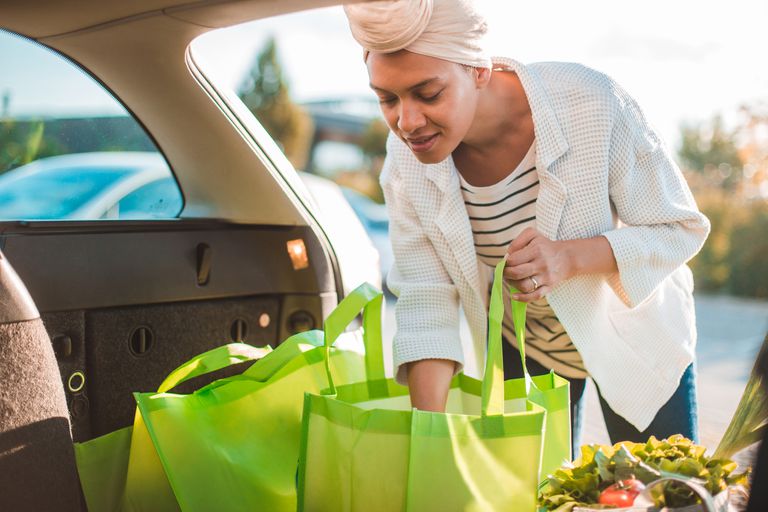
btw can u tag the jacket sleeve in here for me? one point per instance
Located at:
(427, 309)
(660, 226)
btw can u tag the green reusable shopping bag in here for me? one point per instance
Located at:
(233, 445)
(121, 470)
(364, 448)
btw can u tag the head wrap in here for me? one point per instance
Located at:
(451, 30)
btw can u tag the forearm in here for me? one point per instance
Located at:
(429, 381)
(590, 256)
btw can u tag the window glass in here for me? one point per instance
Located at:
(159, 198)
(68, 149)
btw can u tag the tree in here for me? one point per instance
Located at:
(728, 172)
(265, 93)
(710, 151)
(752, 136)
(373, 144)
(20, 143)
(374, 140)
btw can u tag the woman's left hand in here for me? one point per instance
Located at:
(536, 264)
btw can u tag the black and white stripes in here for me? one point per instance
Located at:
(498, 214)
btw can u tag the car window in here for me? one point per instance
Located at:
(158, 199)
(32, 196)
(68, 149)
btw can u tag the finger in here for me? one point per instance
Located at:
(520, 285)
(524, 255)
(537, 294)
(519, 272)
(522, 240)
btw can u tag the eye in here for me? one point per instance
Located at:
(430, 98)
(389, 100)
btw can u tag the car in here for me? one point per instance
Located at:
(82, 186)
(375, 220)
(240, 250)
(357, 247)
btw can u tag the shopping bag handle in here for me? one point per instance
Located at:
(492, 399)
(645, 499)
(368, 299)
(213, 360)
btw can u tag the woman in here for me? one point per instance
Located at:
(553, 167)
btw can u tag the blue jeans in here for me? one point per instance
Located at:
(677, 416)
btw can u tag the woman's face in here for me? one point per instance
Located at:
(428, 103)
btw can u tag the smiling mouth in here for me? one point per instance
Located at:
(419, 144)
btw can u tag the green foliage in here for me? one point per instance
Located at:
(749, 246)
(727, 169)
(265, 93)
(711, 266)
(711, 150)
(20, 144)
(599, 466)
(374, 141)
(23, 141)
(732, 260)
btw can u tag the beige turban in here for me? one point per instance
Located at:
(451, 30)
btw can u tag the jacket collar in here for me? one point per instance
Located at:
(551, 143)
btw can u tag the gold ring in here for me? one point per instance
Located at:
(535, 283)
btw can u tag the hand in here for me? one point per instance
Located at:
(536, 264)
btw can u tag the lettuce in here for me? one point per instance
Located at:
(580, 483)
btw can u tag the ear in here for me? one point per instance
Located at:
(482, 77)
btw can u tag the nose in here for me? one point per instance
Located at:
(411, 118)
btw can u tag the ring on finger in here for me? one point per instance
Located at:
(535, 283)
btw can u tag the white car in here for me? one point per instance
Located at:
(84, 186)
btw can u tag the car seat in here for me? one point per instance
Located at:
(37, 460)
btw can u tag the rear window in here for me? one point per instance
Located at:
(68, 149)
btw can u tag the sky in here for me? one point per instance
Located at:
(683, 60)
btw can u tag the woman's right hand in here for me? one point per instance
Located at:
(429, 381)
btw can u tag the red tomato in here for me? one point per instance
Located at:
(622, 493)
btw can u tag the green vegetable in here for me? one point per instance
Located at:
(751, 417)
(599, 466)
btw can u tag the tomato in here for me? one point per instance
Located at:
(622, 493)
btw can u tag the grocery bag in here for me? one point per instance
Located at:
(234, 444)
(121, 471)
(365, 449)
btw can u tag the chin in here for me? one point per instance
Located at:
(431, 157)
(428, 159)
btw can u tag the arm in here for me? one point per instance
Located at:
(662, 226)
(429, 381)
(660, 229)
(427, 339)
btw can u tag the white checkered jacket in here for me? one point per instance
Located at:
(603, 171)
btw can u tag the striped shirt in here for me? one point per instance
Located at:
(498, 213)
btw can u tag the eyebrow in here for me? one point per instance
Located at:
(415, 86)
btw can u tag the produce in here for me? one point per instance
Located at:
(601, 466)
(750, 420)
(622, 493)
